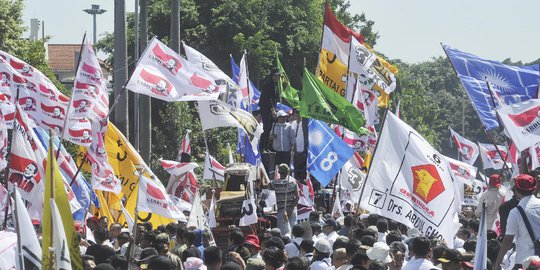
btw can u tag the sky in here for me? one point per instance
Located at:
(410, 30)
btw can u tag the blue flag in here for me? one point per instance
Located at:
(327, 153)
(512, 84)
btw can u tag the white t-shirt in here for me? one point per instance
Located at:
(419, 264)
(325, 264)
(293, 250)
(516, 226)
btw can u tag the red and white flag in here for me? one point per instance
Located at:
(26, 167)
(185, 188)
(462, 171)
(204, 65)
(213, 169)
(153, 198)
(534, 155)
(162, 73)
(522, 122)
(491, 157)
(185, 147)
(90, 97)
(103, 177)
(3, 142)
(366, 101)
(468, 150)
(244, 100)
(178, 168)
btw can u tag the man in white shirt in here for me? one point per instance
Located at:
(493, 198)
(421, 247)
(293, 248)
(524, 188)
(329, 231)
(282, 139)
(299, 128)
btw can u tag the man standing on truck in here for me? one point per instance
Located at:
(286, 199)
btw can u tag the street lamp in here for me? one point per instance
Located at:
(95, 10)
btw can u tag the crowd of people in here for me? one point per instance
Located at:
(357, 241)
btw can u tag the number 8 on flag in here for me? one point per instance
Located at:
(327, 153)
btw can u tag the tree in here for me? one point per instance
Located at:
(11, 24)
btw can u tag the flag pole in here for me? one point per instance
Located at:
(51, 167)
(17, 228)
(131, 250)
(71, 99)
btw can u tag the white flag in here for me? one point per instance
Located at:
(8, 250)
(201, 62)
(366, 101)
(162, 73)
(480, 253)
(248, 213)
(336, 208)
(61, 246)
(472, 192)
(462, 171)
(410, 182)
(3, 142)
(534, 154)
(153, 198)
(213, 169)
(28, 244)
(522, 122)
(218, 114)
(212, 212)
(246, 93)
(231, 158)
(468, 150)
(129, 220)
(491, 158)
(178, 168)
(352, 179)
(198, 219)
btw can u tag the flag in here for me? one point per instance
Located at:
(212, 212)
(327, 153)
(103, 177)
(472, 192)
(248, 213)
(185, 147)
(491, 158)
(305, 202)
(462, 171)
(321, 103)
(26, 169)
(336, 208)
(185, 188)
(61, 250)
(468, 151)
(3, 142)
(198, 220)
(5, 201)
(367, 65)
(124, 161)
(480, 253)
(522, 122)
(287, 92)
(8, 249)
(512, 83)
(55, 190)
(218, 114)
(410, 182)
(352, 179)
(398, 112)
(205, 65)
(39, 98)
(28, 246)
(213, 169)
(365, 100)
(129, 220)
(534, 154)
(178, 168)
(245, 98)
(90, 97)
(153, 198)
(162, 73)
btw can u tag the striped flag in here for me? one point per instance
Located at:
(213, 169)
(185, 147)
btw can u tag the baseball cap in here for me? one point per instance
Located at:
(252, 240)
(525, 182)
(495, 180)
(330, 222)
(282, 113)
(323, 246)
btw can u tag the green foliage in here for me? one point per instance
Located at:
(11, 24)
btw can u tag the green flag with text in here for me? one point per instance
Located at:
(285, 89)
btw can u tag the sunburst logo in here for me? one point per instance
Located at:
(496, 79)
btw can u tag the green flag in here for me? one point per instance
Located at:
(322, 103)
(288, 93)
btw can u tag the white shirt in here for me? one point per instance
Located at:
(381, 237)
(291, 249)
(325, 264)
(419, 264)
(493, 199)
(298, 130)
(458, 242)
(516, 226)
(331, 238)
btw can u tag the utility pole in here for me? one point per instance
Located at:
(145, 105)
(95, 10)
(175, 25)
(120, 67)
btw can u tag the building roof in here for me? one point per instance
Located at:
(62, 56)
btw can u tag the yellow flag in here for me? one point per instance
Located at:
(55, 189)
(124, 160)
